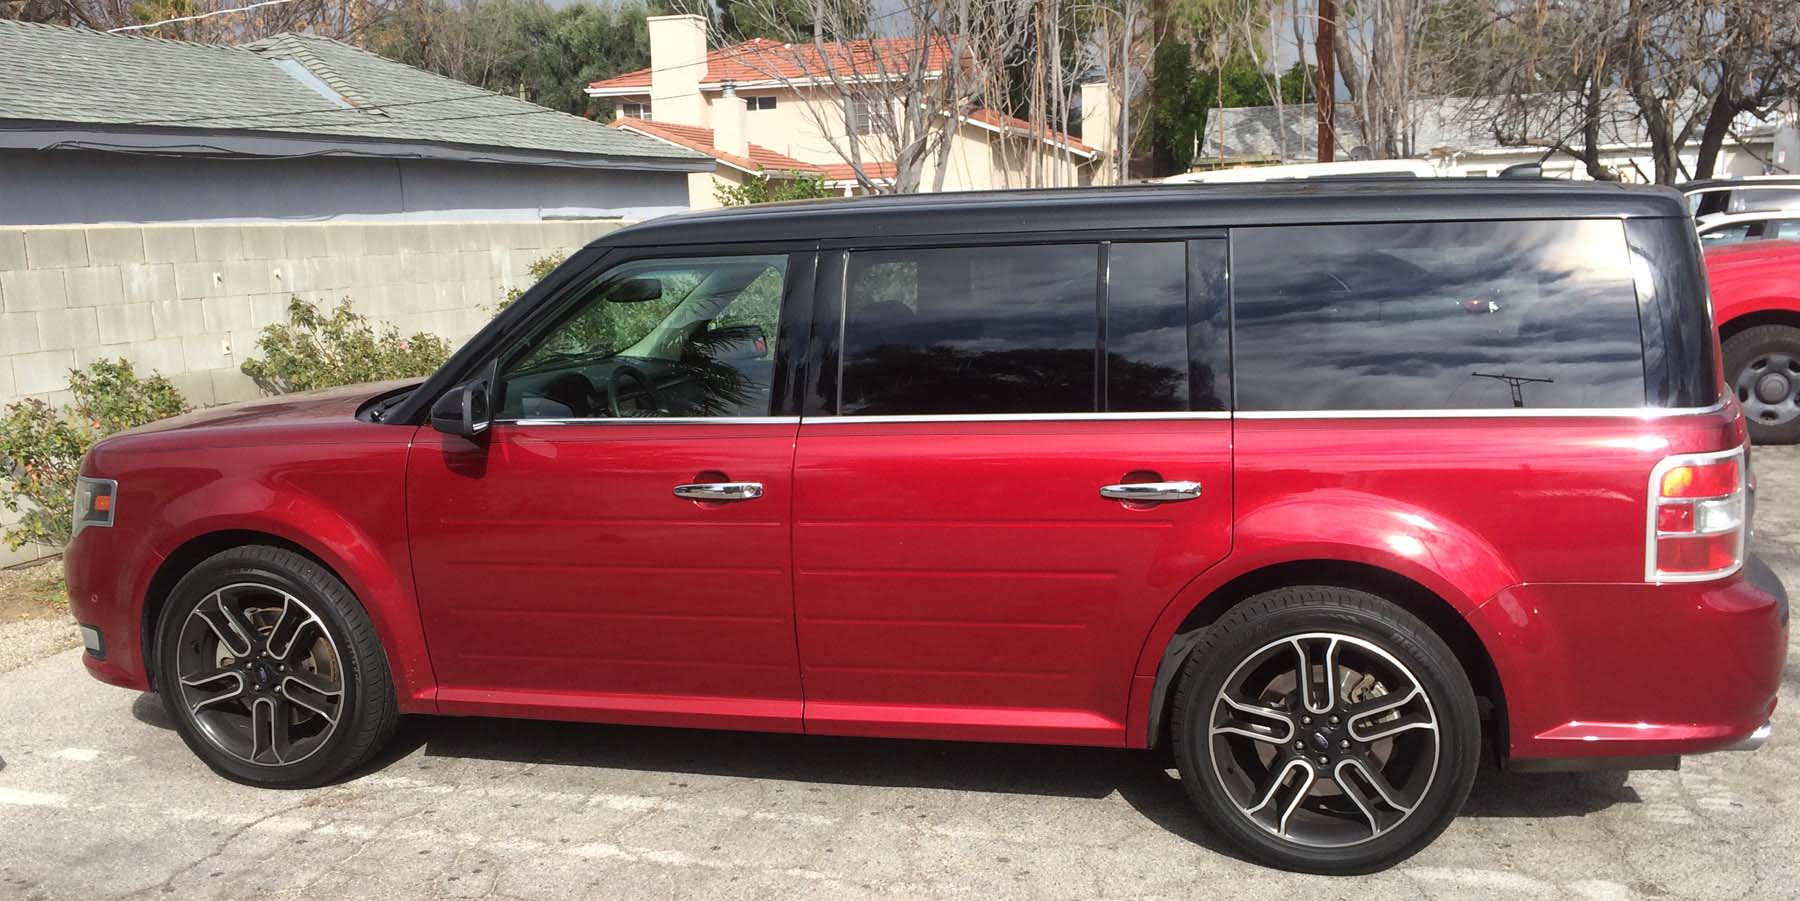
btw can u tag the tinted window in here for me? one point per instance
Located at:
(1146, 327)
(1755, 200)
(971, 330)
(656, 338)
(1783, 230)
(1436, 316)
(1728, 234)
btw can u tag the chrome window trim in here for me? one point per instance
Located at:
(1654, 500)
(1016, 417)
(662, 420)
(1488, 413)
(1207, 415)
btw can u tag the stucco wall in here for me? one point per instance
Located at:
(189, 301)
(62, 187)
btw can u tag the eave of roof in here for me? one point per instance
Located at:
(761, 160)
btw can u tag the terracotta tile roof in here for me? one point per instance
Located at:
(844, 171)
(760, 159)
(763, 60)
(1018, 126)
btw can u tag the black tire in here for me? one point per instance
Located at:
(1265, 625)
(365, 709)
(1748, 358)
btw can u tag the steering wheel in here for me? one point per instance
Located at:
(643, 394)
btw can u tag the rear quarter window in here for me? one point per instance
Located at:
(1436, 316)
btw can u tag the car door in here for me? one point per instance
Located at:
(1011, 464)
(616, 546)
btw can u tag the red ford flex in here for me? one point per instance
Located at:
(1322, 487)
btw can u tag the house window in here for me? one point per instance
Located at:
(635, 110)
(859, 116)
(755, 103)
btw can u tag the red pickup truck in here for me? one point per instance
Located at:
(1756, 305)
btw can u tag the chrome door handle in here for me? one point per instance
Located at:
(1152, 491)
(720, 491)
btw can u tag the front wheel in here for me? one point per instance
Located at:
(1762, 364)
(1325, 730)
(271, 670)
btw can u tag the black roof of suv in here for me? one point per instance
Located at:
(1156, 206)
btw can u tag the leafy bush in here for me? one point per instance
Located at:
(41, 447)
(761, 190)
(317, 350)
(539, 268)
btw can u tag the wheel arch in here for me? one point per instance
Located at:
(401, 635)
(1771, 315)
(1438, 613)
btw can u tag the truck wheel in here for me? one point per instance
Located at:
(271, 670)
(1325, 730)
(1762, 364)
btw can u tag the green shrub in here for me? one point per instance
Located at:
(41, 447)
(317, 350)
(539, 268)
(761, 190)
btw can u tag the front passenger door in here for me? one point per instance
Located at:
(616, 546)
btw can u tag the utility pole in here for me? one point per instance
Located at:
(1325, 48)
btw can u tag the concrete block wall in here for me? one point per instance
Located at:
(189, 301)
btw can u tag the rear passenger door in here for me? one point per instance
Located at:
(960, 570)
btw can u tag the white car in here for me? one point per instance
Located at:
(1342, 169)
(1736, 228)
(1712, 198)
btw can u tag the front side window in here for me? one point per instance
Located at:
(1435, 316)
(971, 330)
(691, 337)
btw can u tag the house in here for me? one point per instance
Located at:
(98, 127)
(1456, 135)
(763, 108)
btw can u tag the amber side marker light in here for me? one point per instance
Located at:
(1697, 520)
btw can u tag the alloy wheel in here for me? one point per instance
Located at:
(259, 673)
(1324, 739)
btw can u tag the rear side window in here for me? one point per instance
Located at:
(971, 330)
(1435, 316)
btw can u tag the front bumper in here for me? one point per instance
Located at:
(1637, 671)
(109, 577)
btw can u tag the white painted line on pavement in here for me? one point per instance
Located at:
(22, 798)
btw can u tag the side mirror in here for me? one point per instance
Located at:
(635, 290)
(467, 409)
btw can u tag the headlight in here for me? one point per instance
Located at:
(93, 503)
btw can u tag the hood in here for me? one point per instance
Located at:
(282, 413)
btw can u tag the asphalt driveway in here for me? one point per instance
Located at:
(99, 799)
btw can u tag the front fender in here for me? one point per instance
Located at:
(343, 502)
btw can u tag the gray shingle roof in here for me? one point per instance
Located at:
(58, 74)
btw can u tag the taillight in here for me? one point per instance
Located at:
(1698, 517)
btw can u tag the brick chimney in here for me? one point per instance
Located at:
(728, 122)
(678, 63)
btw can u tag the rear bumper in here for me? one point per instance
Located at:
(1638, 671)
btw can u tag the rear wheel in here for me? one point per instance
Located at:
(1762, 364)
(271, 670)
(1325, 730)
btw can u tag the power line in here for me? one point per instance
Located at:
(216, 12)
